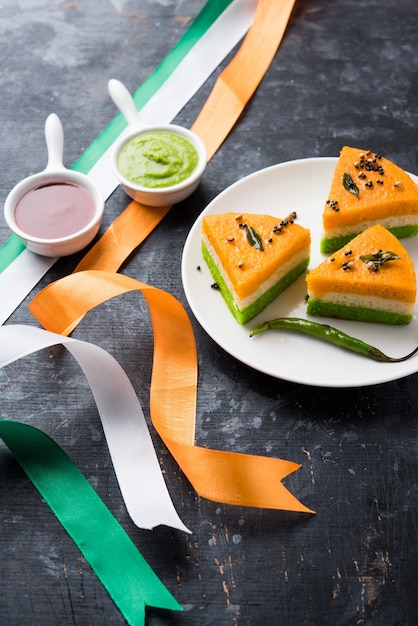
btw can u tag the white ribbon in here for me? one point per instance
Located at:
(131, 449)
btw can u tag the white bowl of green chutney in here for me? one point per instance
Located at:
(156, 165)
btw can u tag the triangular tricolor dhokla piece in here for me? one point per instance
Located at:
(368, 189)
(253, 258)
(371, 279)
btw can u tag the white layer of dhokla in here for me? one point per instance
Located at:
(263, 287)
(368, 302)
(394, 221)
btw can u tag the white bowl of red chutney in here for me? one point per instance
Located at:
(56, 212)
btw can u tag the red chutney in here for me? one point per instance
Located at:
(55, 210)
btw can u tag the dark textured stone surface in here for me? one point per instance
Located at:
(346, 72)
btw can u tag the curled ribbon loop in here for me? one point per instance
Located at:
(235, 478)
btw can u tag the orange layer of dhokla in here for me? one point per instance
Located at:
(244, 264)
(384, 189)
(395, 280)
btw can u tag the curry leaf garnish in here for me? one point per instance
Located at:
(376, 259)
(349, 184)
(254, 238)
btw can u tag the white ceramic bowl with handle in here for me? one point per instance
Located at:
(152, 195)
(55, 174)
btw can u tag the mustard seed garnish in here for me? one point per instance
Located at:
(290, 219)
(347, 265)
(198, 268)
(279, 229)
(333, 204)
(214, 286)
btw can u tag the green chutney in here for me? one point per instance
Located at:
(157, 158)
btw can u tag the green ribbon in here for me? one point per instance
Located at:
(10, 251)
(126, 575)
(207, 16)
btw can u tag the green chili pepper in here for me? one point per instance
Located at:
(330, 334)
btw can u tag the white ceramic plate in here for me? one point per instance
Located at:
(300, 186)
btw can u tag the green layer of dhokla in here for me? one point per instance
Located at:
(331, 244)
(320, 308)
(245, 315)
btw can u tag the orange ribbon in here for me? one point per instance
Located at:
(239, 80)
(229, 477)
(217, 475)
